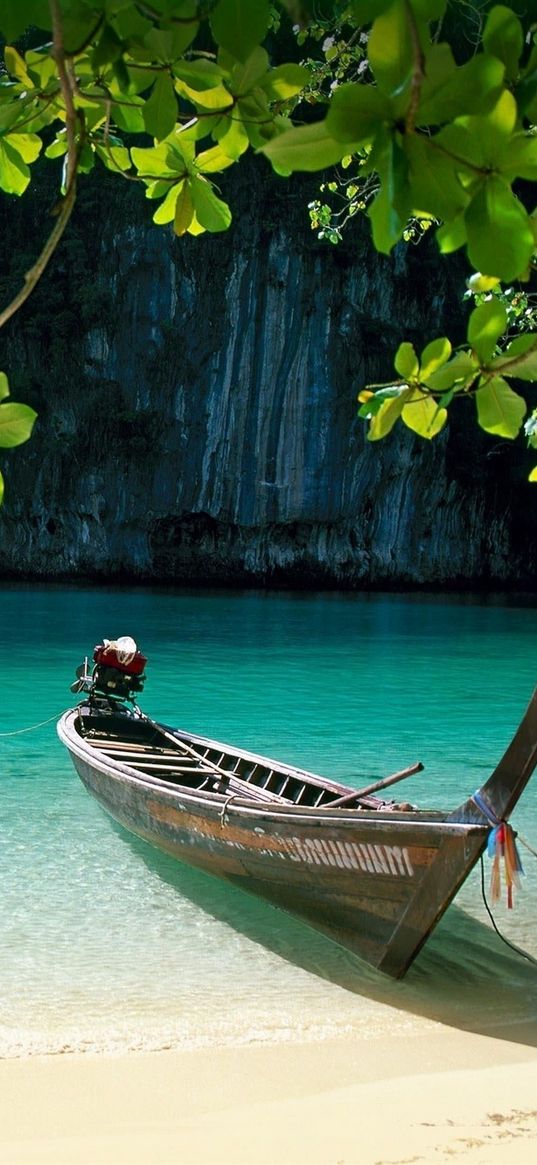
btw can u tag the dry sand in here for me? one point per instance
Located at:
(441, 1095)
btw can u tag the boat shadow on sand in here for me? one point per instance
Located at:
(465, 977)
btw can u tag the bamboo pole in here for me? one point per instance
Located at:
(358, 794)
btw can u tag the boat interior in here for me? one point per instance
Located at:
(168, 758)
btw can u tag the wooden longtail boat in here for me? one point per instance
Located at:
(373, 875)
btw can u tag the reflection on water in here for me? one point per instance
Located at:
(465, 976)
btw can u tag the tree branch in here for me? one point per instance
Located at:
(33, 276)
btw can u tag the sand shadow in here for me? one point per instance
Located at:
(465, 977)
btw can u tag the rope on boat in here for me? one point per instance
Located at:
(501, 844)
(32, 728)
(525, 843)
(223, 811)
(517, 950)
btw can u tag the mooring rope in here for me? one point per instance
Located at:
(517, 950)
(32, 728)
(527, 845)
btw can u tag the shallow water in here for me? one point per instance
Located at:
(108, 945)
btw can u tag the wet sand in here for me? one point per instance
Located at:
(436, 1095)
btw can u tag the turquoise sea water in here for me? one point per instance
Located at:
(107, 945)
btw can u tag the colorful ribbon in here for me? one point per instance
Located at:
(502, 844)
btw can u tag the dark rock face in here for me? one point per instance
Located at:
(197, 405)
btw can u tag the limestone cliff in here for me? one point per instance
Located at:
(197, 405)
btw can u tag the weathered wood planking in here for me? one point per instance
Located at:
(373, 877)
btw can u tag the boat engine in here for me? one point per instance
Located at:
(118, 670)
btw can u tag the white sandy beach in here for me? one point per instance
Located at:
(441, 1095)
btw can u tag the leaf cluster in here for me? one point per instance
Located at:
(480, 371)
(170, 93)
(16, 422)
(191, 77)
(434, 143)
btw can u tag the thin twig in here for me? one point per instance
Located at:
(33, 276)
(58, 53)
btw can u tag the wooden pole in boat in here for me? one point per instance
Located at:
(375, 788)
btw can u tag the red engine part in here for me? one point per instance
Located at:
(107, 656)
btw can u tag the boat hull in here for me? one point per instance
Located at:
(374, 882)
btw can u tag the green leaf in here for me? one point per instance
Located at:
(434, 183)
(129, 117)
(213, 160)
(499, 409)
(423, 415)
(121, 75)
(285, 81)
(158, 161)
(231, 134)
(533, 474)
(406, 362)
(382, 423)
(356, 112)
(391, 209)
(108, 49)
(519, 359)
(16, 424)
(455, 375)
(15, 111)
(16, 65)
(167, 45)
(500, 239)
(160, 111)
(494, 131)
(14, 173)
(184, 210)
(520, 157)
(364, 11)
(1, 489)
(503, 36)
(79, 24)
(452, 235)
(211, 211)
(130, 24)
(4, 385)
(260, 123)
(372, 401)
(42, 68)
(526, 89)
(115, 158)
(58, 147)
(478, 143)
(485, 326)
(213, 97)
(390, 49)
(429, 9)
(308, 147)
(16, 17)
(253, 72)
(199, 75)
(166, 211)
(28, 145)
(449, 93)
(182, 146)
(86, 161)
(240, 25)
(434, 356)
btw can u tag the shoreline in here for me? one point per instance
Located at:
(439, 1094)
